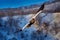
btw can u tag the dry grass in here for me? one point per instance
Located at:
(56, 17)
(53, 28)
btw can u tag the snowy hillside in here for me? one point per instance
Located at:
(9, 25)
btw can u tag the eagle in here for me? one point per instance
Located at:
(50, 9)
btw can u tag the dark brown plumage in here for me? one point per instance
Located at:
(42, 7)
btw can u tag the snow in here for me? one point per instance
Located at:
(26, 33)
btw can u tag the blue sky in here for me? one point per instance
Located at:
(18, 3)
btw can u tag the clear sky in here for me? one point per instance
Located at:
(18, 3)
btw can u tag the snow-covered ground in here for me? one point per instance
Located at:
(9, 25)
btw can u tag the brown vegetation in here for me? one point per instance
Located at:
(49, 7)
